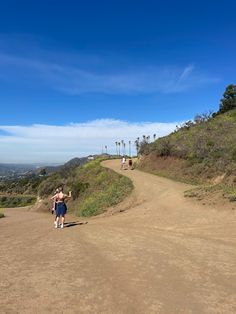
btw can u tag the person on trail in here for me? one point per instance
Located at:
(123, 161)
(61, 208)
(130, 163)
(54, 207)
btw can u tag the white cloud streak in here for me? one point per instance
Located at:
(78, 80)
(55, 144)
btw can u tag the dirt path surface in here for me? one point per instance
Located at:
(166, 254)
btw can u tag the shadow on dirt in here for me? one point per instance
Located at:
(74, 223)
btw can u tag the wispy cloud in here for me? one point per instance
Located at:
(51, 143)
(83, 79)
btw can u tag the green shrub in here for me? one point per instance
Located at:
(21, 186)
(232, 198)
(79, 187)
(234, 154)
(230, 193)
(106, 188)
(8, 201)
(48, 186)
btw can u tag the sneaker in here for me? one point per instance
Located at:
(62, 226)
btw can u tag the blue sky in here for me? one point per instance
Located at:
(133, 66)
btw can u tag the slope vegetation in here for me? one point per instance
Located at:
(200, 152)
(93, 187)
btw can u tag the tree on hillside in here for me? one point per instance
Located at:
(119, 147)
(203, 117)
(144, 144)
(129, 148)
(228, 102)
(122, 147)
(43, 172)
(137, 145)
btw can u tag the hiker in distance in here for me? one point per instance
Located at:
(122, 163)
(130, 164)
(61, 209)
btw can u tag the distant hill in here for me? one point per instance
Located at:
(47, 170)
(75, 162)
(25, 179)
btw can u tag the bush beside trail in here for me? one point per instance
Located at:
(22, 186)
(9, 201)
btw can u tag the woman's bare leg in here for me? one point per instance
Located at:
(62, 221)
(57, 222)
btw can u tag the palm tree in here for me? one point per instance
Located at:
(129, 148)
(137, 145)
(122, 146)
(154, 137)
(119, 147)
(124, 149)
(148, 138)
(106, 148)
(116, 148)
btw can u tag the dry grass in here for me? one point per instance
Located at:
(197, 153)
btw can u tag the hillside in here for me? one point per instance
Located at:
(94, 188)
(47, 170)
(28, 182)
(199, 152)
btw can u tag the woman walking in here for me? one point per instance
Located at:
(61, 208)
(122, 163)
(54, 207)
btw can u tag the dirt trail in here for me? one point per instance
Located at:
(166, 254)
